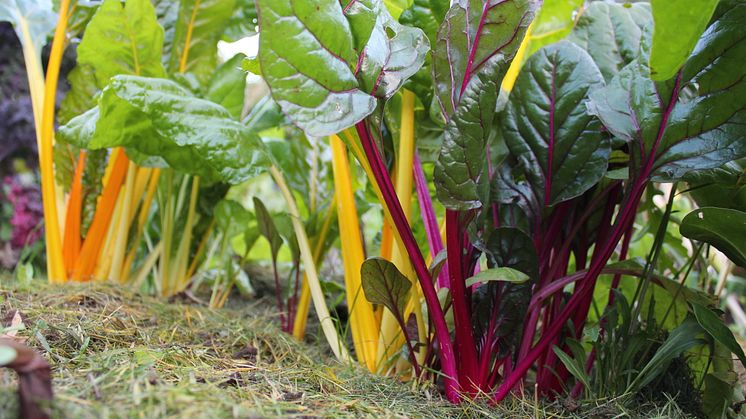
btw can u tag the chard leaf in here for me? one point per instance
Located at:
(122, 38)
(33, 21)
(498, 274)
(678, 26)
(392, 54)
(694, 122)
(547, 127)
(554, 21)
(307, 57)
(723, 228)
(227, 85)
(473, 32)
(426, 15)
(243, 23)
(612, 34)
(460, 176)
(82, 94)
(512, 248)
(158, 118)
(384, 284)
(267, 227)
(197, 28)
(232, 218)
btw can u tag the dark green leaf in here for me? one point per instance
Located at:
(694, 122)
(612, 33)
(678, 26)
(426, 15)
(307, 58)
(122, 38)
(723, 228)
(157, 118)
(460, 176)
(547, 126)
(267, 227)
(715, 327)
(384, 284)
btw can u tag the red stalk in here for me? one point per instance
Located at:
(428, 218)
(382, 178)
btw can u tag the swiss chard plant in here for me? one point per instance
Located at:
(541, 174)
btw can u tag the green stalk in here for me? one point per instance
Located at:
(319, 303)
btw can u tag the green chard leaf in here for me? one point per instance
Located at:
(307, 57)
(460, 176)
(227, 86)
(723, 228)
(678, 26)
(475, 44)
(612, 34)
(197, 27)
(267, 227)
(553, 22)
(157, 118)
(122, 38)
(426, 15)
(384, 284)
(34, 16)
(715, 327)
(547, 127)
(696, 121)
(503, 274)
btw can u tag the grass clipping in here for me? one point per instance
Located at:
(118, 354)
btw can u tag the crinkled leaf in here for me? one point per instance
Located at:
(267, 227)
(715, 327)
(694, 122)
(122, 38)
(227, 86)
(82, 94)
(198, 27)
(384, 284)
(243, 23)
(723, 187)
(312, 77)
(678, 26)
(158, 118)
(460, 176)
(34, 16)
(503, 274)
(547, 126)
(473, 32)
(612, 34)
(723, 228)
(393, 54)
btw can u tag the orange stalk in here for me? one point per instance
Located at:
(72, 240)
(86, 264)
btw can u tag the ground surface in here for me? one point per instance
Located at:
(118, 354)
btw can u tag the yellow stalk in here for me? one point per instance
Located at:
(141, 219)
(200, 250)
(362, 318)
(55, 262)
(390, 337)
(123, 219)
(103, 263)
(515, 66)
(304, 301)
(179, 278)
(319, 303)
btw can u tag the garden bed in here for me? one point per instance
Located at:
(119, 354)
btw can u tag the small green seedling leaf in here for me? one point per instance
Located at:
(384, 284)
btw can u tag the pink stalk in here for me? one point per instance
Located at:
(428, 218)
(382, 178)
